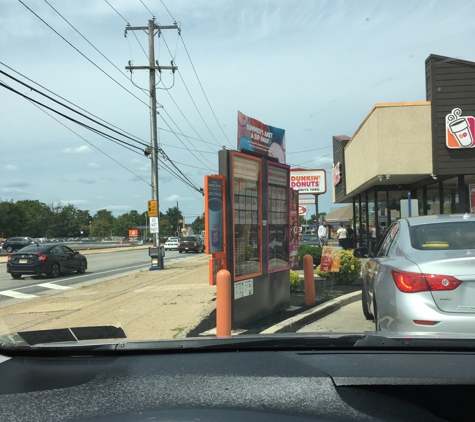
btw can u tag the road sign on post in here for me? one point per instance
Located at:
(152, 208)
(153, 224)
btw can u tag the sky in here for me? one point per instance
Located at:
(313, 68)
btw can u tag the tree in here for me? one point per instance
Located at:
(198, 225)
(101, 228)
(11, 219)
(66, 221)
(174, 215)
(104, 215)
(36, 217)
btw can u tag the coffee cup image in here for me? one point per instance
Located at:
(215, 206)
(461, 132)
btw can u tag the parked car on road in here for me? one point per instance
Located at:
(190, 243)
(47, 259)
(309, 239)
(421, 276)
(16, 243)
(171, 244)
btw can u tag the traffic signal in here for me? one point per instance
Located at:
(152, 208)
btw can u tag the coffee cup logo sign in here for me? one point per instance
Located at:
(460, 130)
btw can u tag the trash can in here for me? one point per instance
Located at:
(157, 253)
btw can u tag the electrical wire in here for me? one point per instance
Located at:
(68, 117)
(202, 89)
(71, 109)
(84, 139)
(64, 99)
(307, 150)
(82, 54)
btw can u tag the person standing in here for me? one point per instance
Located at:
(342, 236)
(351, 237)
(323, 233)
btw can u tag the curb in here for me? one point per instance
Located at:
(295, 323)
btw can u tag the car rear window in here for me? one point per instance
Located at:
(192, 238)
(34, 248)
(443, 236)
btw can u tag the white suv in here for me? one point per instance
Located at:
(171, 244)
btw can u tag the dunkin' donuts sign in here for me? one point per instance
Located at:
(459, 130)
(308, 181)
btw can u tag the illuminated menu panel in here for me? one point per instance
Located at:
(278, 218)
(247, 216)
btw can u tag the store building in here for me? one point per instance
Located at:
(413, 158)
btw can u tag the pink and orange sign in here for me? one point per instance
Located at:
(460, 130)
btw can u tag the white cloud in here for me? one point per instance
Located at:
(80, 150)
(173, 198)
(93, 165)
(74, 201)
(117, 207)
(11, 167)
(87, 181)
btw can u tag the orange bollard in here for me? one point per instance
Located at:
(309, 280)
(223, 303)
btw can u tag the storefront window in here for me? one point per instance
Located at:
(362, 226)
(382, 213)
(371, 222)
(420, 200)
(451, 196)
(394, 207)
(469, 191)
(433, 199)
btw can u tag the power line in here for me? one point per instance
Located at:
(84, 139)
(68, 117)
(82, 54)
(71, 109)
(308, 150)
(64, 99)
(202, 89)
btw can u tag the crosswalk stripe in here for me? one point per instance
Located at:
(54, 286)
(17, 295)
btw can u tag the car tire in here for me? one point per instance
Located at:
(55, 270)
(364, 303)
(82, 267)
(16, 276)
(9, 249)
(180, 251)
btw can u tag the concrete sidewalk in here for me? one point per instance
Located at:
(147, 305)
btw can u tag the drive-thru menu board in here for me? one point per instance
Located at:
(246, 195)
(278, 218)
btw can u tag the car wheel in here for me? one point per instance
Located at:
(55, 270)
(82, 267)
(16, 276)
(186, 251)
(364, 303)
(180, 251)
(9, 249)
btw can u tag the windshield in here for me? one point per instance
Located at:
(261, 141)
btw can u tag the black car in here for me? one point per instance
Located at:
(17, 243)
(190, 243)
(47, 259)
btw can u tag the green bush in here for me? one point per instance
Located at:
(350, 269)
(294, 280)
(315, 251)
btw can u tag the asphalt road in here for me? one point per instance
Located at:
(101, 267)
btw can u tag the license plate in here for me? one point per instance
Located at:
(186, 249)
(23, 261)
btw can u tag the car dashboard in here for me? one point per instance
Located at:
(233, 385)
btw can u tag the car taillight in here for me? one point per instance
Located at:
(9, 258)
(41, 257)
(418, 282)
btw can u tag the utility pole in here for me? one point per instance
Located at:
(152, 67)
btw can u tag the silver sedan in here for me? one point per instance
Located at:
(421, 277)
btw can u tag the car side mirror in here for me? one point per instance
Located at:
(76, 252)
(361, 252)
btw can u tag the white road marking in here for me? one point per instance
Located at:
(17, 295)
(54, 286)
